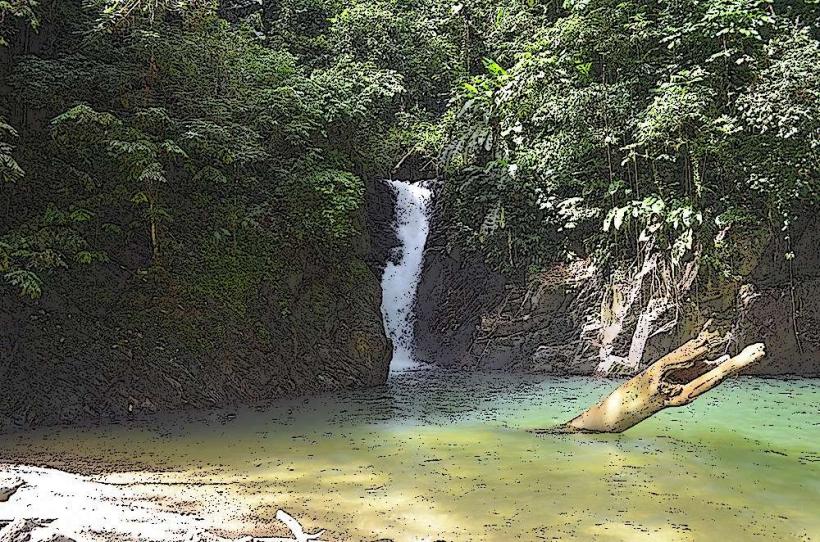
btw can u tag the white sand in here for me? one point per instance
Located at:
(124, 507)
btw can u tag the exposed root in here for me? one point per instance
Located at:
(664, 285)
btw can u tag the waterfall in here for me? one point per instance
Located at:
(402, 274)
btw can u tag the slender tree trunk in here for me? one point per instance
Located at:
(152, 228)
(154, 239)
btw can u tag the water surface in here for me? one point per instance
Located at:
(451, 457)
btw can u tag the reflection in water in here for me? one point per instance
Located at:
(437, 456)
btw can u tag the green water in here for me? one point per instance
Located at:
(450, 457)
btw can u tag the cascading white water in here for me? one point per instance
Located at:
(401, 279)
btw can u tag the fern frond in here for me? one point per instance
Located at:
(29, 283)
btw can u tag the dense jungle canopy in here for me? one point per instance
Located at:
(237, 136)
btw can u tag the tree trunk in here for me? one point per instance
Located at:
(154, 239)
(659, 386)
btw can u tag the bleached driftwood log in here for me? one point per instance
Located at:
(295, 527)
(656, 388)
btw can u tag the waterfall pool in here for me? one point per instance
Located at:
(439, 456)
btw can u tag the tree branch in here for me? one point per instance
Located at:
(702, 384)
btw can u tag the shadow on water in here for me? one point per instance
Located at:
(450, 456)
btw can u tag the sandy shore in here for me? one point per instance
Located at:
(50, 505)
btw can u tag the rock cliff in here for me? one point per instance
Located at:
(472, 317)
(242, 327)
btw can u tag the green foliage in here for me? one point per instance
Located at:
(47, 244)
(171, 125)
(114, 15)
(595, 126)
(325, 206)
(670, 227)
(710, 107)
(414, 42)
(10, 170)
(140, 148)
(27, 282)
(15, 10)
(781, 112)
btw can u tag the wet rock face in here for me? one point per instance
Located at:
(128, 343)
(792, 345)
(381, 217)
(66, 366)
(538, 327)
(456, 289)
(468, 316)
(779, 304)
(471, 317)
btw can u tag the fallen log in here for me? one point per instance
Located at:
(661, 386)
